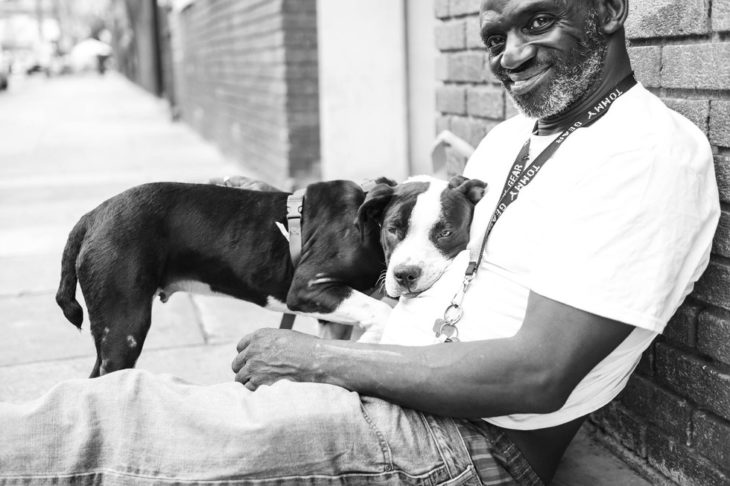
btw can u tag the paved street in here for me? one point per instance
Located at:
(66, 145)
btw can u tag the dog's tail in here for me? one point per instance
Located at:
(66, 295)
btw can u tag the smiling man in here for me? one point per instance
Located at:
(600, 213)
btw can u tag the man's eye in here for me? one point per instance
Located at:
(393, 230)
(494, 42)
(540, 22)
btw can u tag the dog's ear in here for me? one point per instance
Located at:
(385, 180)
(473, 189)
(372, 209)
(456, 181)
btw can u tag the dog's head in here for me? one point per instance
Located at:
(424, 224)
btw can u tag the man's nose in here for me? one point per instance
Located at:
(516, 51)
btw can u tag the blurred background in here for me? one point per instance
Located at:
(293, 90)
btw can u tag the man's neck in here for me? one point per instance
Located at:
(562, 121)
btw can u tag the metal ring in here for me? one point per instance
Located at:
(453, 313)
(454, 337)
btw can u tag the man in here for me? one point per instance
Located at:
(612, 226)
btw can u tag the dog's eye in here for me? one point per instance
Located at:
(445, 234)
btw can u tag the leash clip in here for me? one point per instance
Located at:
(445, 328)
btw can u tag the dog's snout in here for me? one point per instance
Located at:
(407, 275)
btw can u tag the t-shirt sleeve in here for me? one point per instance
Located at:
(629, 240)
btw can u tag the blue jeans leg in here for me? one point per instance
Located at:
(133, 427)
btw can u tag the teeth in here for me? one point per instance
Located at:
(524, 85)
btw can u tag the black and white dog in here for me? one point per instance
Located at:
(155, 239)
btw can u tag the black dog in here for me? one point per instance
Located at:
(159, 238)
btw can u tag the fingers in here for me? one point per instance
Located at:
(238, 362)
(242, 347)
(243, 376)
(244, 342)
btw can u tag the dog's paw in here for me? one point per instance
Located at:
(373, 335)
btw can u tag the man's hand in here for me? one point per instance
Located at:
(243, 182)
(269, 355)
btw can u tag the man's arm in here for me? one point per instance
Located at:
(533, 372)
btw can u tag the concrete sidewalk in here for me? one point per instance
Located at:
(68, 144)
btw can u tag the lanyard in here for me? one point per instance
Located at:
(519, 176)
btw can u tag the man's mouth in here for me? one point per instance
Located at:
(520, 84)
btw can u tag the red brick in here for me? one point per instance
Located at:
(694, 379)
(681, 463)
(722, 173)
(442, 123)
(721, 243)
(455, 162)
(635, 462)
(661, 18)
(711, 437)
(696, 111)
(647, 64)
(714, 285)
(682, 326)
(470, 129)
(451, 99)
(713, 335)
(468, 66)
(667, 411)
(249, 76)
(441, 8)
(485, 101)
(696, 66)
(626, 429)
(442, 67)
(473, 37)
(451, 35)
(464, 7)
(720, 122)
(721, 15)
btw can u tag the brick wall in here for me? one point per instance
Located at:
(135, 42)
(247, 79)
(673, 421)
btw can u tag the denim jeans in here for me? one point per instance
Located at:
(133, 427)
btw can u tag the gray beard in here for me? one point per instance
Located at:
(568, 86)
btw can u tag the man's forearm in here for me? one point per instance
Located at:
(471, 379)
(534, 371)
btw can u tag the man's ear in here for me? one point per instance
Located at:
(612, 15)
(473, 189)
(370, 212)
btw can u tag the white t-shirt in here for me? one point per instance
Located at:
(618, 223)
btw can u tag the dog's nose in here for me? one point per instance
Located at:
(406, 275)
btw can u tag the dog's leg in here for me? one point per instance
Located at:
(122, 336)
(119, 303)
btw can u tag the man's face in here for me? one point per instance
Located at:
(546, 53)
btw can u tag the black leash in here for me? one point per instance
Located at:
(519, 176)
